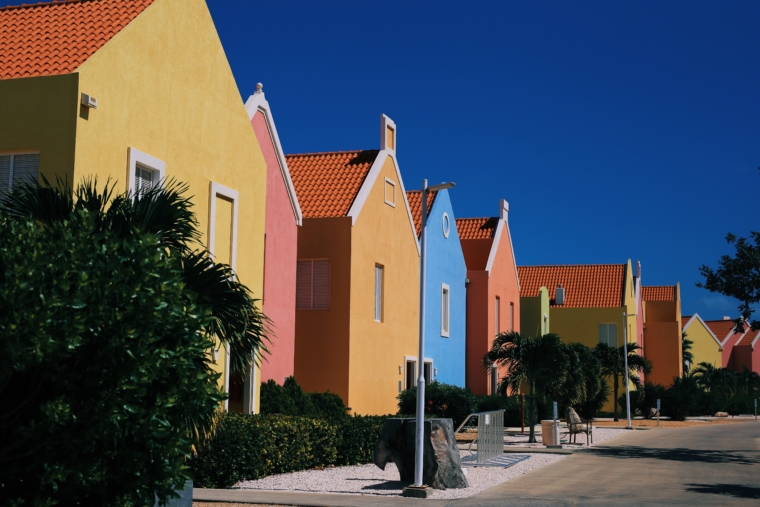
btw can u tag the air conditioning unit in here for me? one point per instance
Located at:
(89, 101)
(559, 296)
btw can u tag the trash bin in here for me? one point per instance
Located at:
(547, 432)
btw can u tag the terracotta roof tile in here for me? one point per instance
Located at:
(747, 338)
(57, 37)
(415, 206)
(477, 228)
(658, 293)
(721, 328)
(685, 319)
(586, 285)
(327, 183)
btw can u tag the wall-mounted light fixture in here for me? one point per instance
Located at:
(89, 101)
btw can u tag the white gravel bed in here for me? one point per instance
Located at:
(370, 480)
(601, 435)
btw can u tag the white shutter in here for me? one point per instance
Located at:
(378, 293)
(26, 168)
(445, 311)
(303, 285)
(496, 315)
(143, 180)
(321, 285)
(612, 335)
(5, 174)
(603, 333)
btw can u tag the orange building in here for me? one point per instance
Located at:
(493, 292)
(357, 280)
(662, 332)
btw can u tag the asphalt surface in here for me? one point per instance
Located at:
(714, 465)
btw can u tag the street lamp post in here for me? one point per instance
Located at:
(625, 356)
(420, 436)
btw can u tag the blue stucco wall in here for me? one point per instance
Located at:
(445, 264)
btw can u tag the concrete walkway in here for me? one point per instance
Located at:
(713, 465)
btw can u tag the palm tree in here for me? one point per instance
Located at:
(720, 383)
(584, 379)
(165, 212)
(540, 363)
(688, 357)
(748, 381)
(613, 365)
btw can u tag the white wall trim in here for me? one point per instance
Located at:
(136, 157)
(416, 370)
(258, 103)
(444, 220)
(218, 190)
(385, 197)
(386, 122)
(446, 333)
(697, 317)
(495, 246)
(757, 337)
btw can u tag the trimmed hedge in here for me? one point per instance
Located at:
(291, 399)
(248, 447)
(441, 400)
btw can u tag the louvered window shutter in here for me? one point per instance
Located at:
(612, 335)
(26, 168)
(321, 285)
(445, 311)
(143, 180)
(303, 285)
(378, 293)
(5, 174)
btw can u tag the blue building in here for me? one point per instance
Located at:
(445, 289)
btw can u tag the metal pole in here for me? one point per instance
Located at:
(419, 440)
(627, 388)
(522, 413)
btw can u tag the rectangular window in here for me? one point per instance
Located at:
(18, 168)
(511, 316)
(390, 192)
(313, 285)
(445, 310)
(494, 379)
(378, 293)
(145, 171)
(608, 334)
(496, 316)
(428, 371)
(411, 373)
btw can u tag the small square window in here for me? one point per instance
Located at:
(445, 309)
(390, 192)
(608, 334)
(145, 171)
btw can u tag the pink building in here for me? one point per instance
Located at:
(283, 217)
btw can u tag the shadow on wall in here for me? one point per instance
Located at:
(678, 454)
(735, 490)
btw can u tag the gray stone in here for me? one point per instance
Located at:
(441, 467)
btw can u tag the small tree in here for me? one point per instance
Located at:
(720, 384)
(688, 357)
(613, 366)
(539, 363)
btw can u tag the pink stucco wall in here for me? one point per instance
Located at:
(280, 254)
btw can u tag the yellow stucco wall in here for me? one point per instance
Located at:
(383, 235)
(38, 114)
(164, 87)
(532, 311)
(705, 349)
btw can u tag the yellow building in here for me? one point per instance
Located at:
(357, 294)
(581, 303)
(706, 347)
(136, 91)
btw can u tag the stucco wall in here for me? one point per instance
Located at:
(479, 328)
(445, 264)
(704, 349)
(663, 343)
(40, 114)
(532, 311)
(279, 262)
(383, 235)
(164, 87)
(322, 336)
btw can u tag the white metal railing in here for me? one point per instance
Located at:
(490, 441)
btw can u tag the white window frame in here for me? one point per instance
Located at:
(496, 311)
(311, 285)
(137, 158)
(427, 362)
(407, 360)
(608, 324)
(12, 156)
(446, 225)
(385, 192)
(218, 190)
(445, 310)
(511, 316)
(493, 379)
(379, 306)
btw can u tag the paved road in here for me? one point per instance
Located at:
(715, 465)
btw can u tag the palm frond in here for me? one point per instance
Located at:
(42, 203)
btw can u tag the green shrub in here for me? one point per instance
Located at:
(291, 399)
(591, 407)
(441, 400)
(510, 405)
(740, 404)
(682, 398)
(248, 447)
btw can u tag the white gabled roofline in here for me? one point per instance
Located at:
(494, 246)
(369, 183)
(257, 102)
(757, 337)
(697, 317)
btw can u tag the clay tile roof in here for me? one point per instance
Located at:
(327, 183)
(685, 319)
(721, 328)
(50, 38)
(658, 293)
(477, 228)
(415, 206)
(586, 285)
(747, 338)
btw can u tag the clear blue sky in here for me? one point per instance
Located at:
(615, 130)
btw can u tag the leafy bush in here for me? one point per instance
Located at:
(590, 407)
(103, 366)
(441, 400)
(248, 447)
(682, 398)
(510, 405)
(291, 399)
(740, 404)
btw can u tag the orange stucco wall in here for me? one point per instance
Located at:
(322, 336)
(383, 235)
(663, 345)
